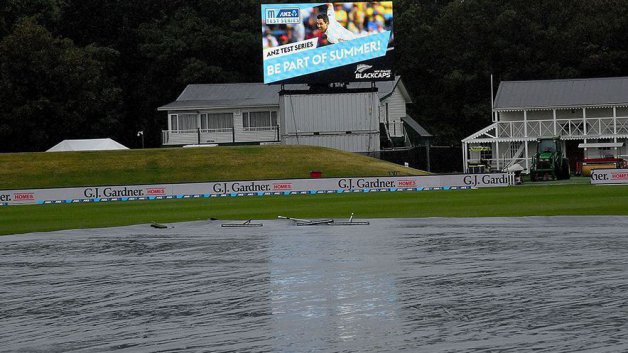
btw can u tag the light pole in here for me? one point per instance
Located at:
(141, 133)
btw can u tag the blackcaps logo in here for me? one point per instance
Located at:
(362, 74)
(282, 16)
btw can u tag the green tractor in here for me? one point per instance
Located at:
(548, 163)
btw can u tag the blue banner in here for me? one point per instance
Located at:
(325, 58)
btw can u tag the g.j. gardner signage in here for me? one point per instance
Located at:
(252, 188)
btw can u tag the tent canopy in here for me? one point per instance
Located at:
(87, 145)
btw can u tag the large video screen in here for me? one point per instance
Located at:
(327, 42)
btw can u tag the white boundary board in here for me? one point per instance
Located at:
(252, 188)
(609, 176)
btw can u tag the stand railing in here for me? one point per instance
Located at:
(564, 127)
(226, 135)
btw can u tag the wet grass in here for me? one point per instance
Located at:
(538, 199)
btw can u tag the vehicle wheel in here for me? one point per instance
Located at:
(566, 173)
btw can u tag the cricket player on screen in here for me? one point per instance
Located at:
(332, 30)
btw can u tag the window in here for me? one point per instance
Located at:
(204, 121)
(548, 145)
(180, 122)
(259, 121)
(174, 122)
(217, 122)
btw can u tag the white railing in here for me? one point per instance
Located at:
(564, 127)
(261, 128)
(600, 126)
(225, 135)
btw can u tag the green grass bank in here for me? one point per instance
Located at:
(180, 165)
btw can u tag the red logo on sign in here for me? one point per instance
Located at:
(282, 186)
(156, 191)
(406, 183)
(24, 196)
(620, 176)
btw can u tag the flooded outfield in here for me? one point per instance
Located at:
(542, 284)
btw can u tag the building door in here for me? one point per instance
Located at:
(573, 153)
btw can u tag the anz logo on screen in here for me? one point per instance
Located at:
(282, 16)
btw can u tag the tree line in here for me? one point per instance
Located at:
(100, 68)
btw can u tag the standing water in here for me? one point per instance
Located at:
(542, 284)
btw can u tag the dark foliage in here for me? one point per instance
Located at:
(100, 68)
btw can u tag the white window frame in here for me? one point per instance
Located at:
(174, 122)
(225, 126)
(178, 126)
(270, 125)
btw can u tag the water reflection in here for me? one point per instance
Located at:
(548, 284)
(334, 282)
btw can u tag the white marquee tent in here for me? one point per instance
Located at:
(87, 145)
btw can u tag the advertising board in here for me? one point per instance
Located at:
(327, 42)
(117, 193)
(609, 176)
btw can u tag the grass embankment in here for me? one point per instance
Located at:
(179, 165)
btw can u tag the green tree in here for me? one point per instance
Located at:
(203, 42)
(454, 47)
(51, 90)
(46, 12)
(120, 60)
